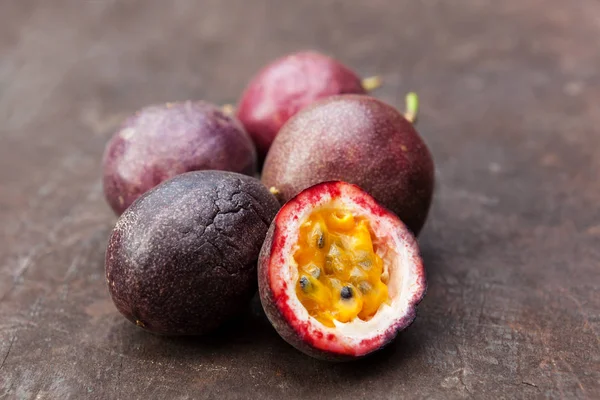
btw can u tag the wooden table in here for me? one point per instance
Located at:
(510, 94)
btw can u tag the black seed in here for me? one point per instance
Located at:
(346, 292)
(321, 241)
(304, 283)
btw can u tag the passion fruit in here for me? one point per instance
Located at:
(339, 275)
(289, 84)
(356, 139)
(182, 259)
(161, 141)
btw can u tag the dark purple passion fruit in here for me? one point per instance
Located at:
(357, 139)
(182, 259)
(159, 142)
(289, 84)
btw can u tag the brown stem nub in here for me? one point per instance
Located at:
(228, 109)
(371, 83)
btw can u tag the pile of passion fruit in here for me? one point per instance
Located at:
(327, 233)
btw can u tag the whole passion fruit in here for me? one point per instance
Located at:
(182, 259)
(356, 139)
(339, 275)
(161, 141)
(289, 84)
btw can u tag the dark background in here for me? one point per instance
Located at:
(510, 94)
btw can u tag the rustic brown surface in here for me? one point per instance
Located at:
(510, 92)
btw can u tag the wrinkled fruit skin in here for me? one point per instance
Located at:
(286, 86)
(275, 307)
(357, 139)
(162, 141)
(182, 259)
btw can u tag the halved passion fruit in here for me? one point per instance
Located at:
(339, 275)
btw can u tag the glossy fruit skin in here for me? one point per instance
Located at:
(286, 86)
(275, 305)
(357, 139)
(162, 141)
(182, 259)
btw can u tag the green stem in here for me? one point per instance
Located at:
(412, 107)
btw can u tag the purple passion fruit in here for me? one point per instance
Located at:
(162, 141)
(339, 275)
(289, 84)
(182, 259)
(357, 139)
